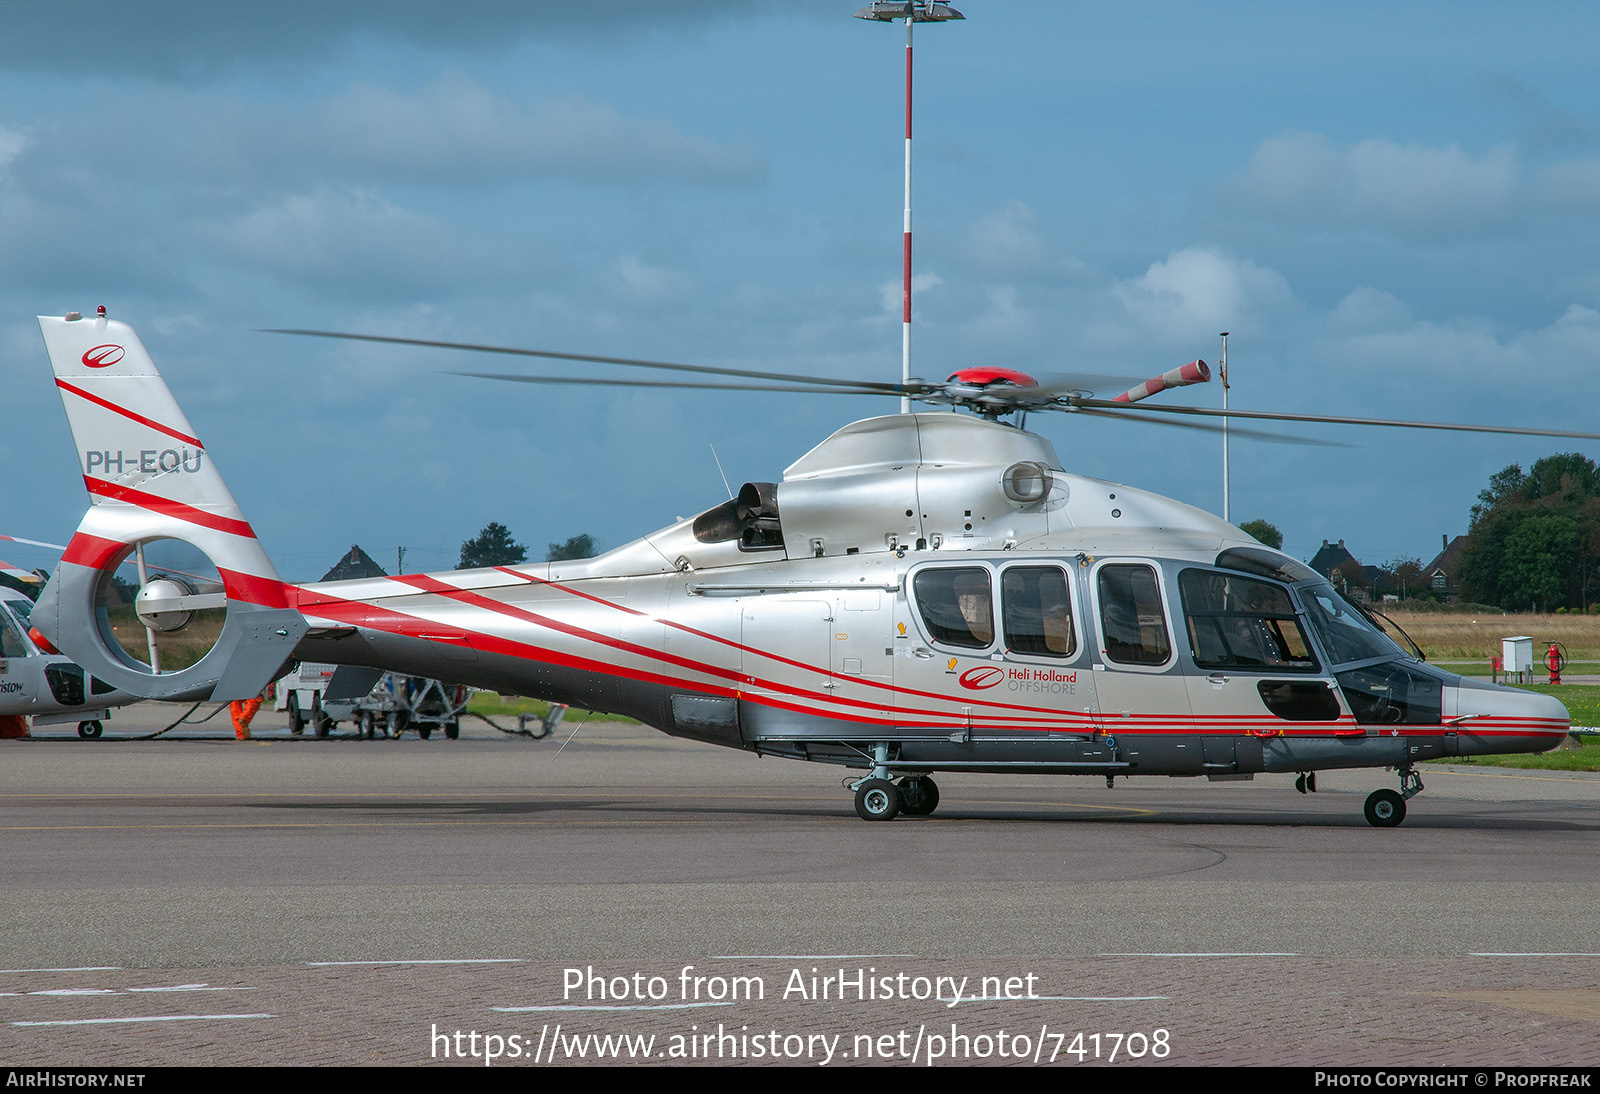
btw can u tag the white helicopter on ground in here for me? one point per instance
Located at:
(38, 683)
(921, 593)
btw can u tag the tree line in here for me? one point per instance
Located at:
(1534, 537)
(1533, 542)
(493, 546)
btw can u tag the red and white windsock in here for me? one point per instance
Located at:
(1195, 372)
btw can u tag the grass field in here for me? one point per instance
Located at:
(1450, 636)
(1586, 758)
(491, 705)
(179, 649)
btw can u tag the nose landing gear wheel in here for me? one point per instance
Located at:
(89, 730)
(1385, 809)
(877, 800)
(919, 795)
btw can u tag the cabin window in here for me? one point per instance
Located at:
(11, 643)
(957, 606)
(1037, 611)
(1131, 618)
(1239, 623)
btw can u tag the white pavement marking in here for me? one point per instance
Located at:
(805, 956)
(441, 961)
(644, 1006)
(72, 991)
(85, 968)
(1219, 954)
(1578, 953)
(116, 991)
(1050, 998)
(146, 1018)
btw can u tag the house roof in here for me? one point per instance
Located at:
(355, 564)
(1329, 558)
(1447, 559)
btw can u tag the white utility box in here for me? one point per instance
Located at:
(1516, 654)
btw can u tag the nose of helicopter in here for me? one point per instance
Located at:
(1490, 719)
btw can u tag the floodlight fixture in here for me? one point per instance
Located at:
(918, 11)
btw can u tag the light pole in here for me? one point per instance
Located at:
(912, 11)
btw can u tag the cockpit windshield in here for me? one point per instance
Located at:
(1346, 634)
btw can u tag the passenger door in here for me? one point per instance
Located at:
(1139, 685)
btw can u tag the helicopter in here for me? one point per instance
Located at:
(38, 683)
(921, 593)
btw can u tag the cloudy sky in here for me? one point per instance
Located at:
(1394, 207)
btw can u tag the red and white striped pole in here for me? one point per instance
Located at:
(905, 282)
(912, 11)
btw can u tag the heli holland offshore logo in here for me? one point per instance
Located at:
(1017, 678)
(103, 356)
(984, 676)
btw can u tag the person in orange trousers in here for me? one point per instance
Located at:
(242, 710)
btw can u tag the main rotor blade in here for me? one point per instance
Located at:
(1262, 415)
(34, 542)
(18, 572)
(1233, 431)
(749, 374)
(595, 380)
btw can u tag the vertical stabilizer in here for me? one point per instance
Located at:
(149, 477)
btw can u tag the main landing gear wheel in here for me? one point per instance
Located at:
(1385, 809)
(89, 731)
(297, 721)
(919, 795)
(877, 800)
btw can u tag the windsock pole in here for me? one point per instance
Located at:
(1224, 369)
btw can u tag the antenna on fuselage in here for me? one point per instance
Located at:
(720, 471)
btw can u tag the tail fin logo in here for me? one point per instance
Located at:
(103, 356)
